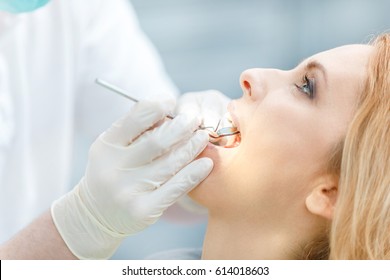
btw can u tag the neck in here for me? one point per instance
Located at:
(243, 239)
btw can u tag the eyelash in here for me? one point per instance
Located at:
(307, 87)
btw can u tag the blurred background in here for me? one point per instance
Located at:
(206, 44)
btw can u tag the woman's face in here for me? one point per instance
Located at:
(289, 121)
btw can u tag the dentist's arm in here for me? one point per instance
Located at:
(135, 171)
(39, 240)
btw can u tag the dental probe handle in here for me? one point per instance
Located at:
(107, 85)
(120, 91)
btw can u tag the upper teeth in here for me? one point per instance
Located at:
(229, 118)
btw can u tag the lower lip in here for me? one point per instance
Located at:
(212, 146)
(225, 143)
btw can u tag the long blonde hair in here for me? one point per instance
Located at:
(361, 225)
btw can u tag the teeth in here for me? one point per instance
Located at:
(230, 141)
(228, 117)
(226, 120)
(233, 141)
(226, 124)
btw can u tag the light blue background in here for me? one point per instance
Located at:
(208, 43)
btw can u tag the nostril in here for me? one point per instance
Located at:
(247, 86)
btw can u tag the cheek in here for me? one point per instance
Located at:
(285, 140)
(283, 127)
(282, 145)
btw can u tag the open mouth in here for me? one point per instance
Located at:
(231, 136)
(232, 141)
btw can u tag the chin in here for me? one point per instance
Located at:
(223, 157)
(222, 151)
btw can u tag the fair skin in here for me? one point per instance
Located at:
(39, 240)
(271, 195)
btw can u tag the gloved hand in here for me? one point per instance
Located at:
(136, 169)
(211, 106)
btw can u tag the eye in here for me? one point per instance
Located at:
(307, 87)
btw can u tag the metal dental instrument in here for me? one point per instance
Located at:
(223, 132)
(215, 135)
(119, 91)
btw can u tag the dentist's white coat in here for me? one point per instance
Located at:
(49, 104)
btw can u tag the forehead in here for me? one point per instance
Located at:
(345, 67)
(347, 53)
(349, 58)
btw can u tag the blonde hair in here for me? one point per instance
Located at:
(361, 225)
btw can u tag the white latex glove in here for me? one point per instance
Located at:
(210, 106)
(133, 174)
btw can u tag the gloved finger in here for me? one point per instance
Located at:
(183, 182)
(213, 107)
(162, 169)
(189, 103)
(210, 105)
(187, 203)
(160, 140)
(199, 104)
(143, 116)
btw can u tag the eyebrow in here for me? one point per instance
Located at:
(313, 64)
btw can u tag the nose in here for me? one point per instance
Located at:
(246, 80)
(256, 82)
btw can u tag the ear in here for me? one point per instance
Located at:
(322, 199)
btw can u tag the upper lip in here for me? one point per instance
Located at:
(233, 116)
